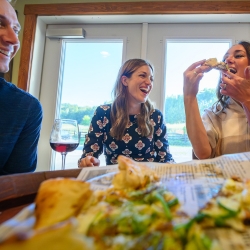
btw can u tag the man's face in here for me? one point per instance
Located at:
(9, 28)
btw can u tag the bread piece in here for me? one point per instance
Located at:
(59, 199)
(133, 174)
(213, 63)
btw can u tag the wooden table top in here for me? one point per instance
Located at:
(19, 190)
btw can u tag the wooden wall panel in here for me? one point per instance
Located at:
(114, 8)
(27, 52)
(172, 7)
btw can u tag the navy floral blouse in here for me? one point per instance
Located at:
(132, 145)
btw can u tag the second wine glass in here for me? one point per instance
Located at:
(64, 137)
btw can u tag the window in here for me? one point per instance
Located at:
(78, 65)
(89, 73)
(165, 45)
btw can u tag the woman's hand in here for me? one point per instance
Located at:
(236, 87)
(192, 77)
(195, 128)
(88, 161)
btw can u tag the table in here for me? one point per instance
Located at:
(19, 190)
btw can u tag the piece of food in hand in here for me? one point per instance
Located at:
(59, 199)
(61, 236)
(133, 175)
(213, 63)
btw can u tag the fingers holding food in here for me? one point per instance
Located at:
(198, 68)
(213, 63)
(194, 66)
(192, 77)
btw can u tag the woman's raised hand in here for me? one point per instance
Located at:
(195, 128)
(192, 77)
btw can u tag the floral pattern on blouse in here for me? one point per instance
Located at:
(133, 145)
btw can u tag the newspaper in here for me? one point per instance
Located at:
(194, 183)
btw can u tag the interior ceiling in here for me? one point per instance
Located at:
(185, 18)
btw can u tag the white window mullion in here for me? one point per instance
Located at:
(48, 94)
(144, 41)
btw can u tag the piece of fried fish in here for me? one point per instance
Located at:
(133, 175)
(213, 63)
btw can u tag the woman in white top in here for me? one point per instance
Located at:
(223, 128)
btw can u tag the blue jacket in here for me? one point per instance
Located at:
(20, 125)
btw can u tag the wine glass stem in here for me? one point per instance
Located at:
(63, 159)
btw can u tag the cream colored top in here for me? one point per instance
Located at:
(228, 131)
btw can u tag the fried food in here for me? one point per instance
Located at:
(59, 236)
(133, 174)
(213, 63)
(134, 213)
(230, 208)
(59, 199)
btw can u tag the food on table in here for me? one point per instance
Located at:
(213, 63)
(59, 199)
(133, 174)
(230, 208)
(61, 236)
(137, 213)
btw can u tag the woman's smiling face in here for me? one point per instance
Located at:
(236, 59)
(139, 85)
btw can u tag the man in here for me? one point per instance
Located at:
(20, 113)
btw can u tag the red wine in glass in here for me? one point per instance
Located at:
(64, 137)
(63, 147)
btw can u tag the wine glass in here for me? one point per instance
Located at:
(64, 137)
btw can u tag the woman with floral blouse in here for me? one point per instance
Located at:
(129, 126)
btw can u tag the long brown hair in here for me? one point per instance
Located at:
(119, 108)
(223, 100)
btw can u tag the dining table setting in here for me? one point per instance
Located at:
(130, 205)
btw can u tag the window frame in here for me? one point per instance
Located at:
(33, 11)
(50, 89)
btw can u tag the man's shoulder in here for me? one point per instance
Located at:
(11, 91)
